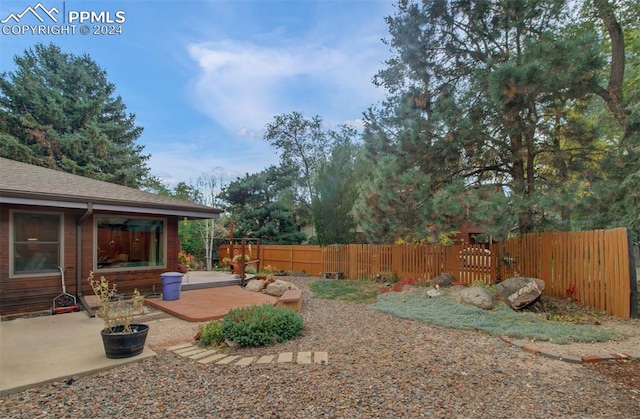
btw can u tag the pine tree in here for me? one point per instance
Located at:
(261, 206)
(467, 125)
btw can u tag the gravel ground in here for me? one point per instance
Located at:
(379, 367)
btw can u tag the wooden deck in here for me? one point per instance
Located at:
(207, 296)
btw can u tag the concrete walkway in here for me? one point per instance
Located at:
(39, 350)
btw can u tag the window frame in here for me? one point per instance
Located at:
(12, 244)
(102, 216)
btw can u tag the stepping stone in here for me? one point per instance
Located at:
(304, 357)
(228, 359)
(182, 345)
(245, 361)
(321, 358)
(203, 354)
(184, 350)
(192, 352)
(266, 359)
(285, 357)
(212, 358)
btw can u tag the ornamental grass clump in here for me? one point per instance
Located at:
(261, 325)
(211, 333)
(113, 310)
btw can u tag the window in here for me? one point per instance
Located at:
(36, 243)
(129, 242)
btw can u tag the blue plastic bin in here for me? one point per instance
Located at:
(171, 283)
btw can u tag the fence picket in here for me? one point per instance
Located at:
(595, 262)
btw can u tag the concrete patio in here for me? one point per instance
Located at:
(44, 349)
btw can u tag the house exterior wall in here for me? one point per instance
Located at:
(23, 294)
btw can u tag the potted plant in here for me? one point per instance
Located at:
(120, 337)
(184, 261)
(237, 260)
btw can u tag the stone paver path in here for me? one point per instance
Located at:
(211, 356)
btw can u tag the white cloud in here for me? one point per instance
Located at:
(242, 85)
(174, 165)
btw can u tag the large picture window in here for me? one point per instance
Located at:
(36, 243)
(124, 242)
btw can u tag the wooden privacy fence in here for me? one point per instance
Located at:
(306, 259)
(597, 265)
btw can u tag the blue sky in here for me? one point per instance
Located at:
(204, 77)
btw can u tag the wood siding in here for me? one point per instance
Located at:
(23, 294)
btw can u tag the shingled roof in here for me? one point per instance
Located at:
(26, 184)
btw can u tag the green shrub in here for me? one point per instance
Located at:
(261, 325)
(211, 333)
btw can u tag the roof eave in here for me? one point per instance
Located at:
(105, 206)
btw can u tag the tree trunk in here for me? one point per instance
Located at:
(613, 95)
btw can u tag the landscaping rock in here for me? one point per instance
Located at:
(231, 344)
(432, 292)
(255, 285)
(444, 280)
(520, 292)
(475, 296)
(512, 285)
(457, 288)
(278, 287)
(525, 296)
(288, 285)
(275, 289)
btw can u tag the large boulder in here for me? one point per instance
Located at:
(275, 289)
(255, 285)
(444, 280)
(278, 287)
(520, 292)
(475, 296)
(288, 285)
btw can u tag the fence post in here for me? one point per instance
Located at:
(632, 276)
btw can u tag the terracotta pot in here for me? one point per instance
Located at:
(183, 269)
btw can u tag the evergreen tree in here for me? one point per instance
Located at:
(59, 111)
(475, 89)
(261, 206)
